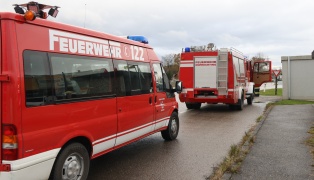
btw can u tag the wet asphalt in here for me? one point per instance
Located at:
(204, 139)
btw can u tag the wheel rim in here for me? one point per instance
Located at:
(174, 127)
(73, 167)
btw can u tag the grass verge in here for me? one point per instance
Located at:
(270, 92)
(310, 140)
(237, 153)
(293, 102)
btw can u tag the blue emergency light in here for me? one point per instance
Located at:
(187, 49)
(141, 39)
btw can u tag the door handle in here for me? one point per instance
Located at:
(150, 100)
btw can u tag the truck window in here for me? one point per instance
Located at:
(133, 78)
(37, 80)
(81, 77)
(261, 67)
(162, 81)
(51, 78)
(141, 77)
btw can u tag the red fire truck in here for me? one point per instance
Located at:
(219, 76)
(70, 94)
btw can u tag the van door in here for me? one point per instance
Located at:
(164, 98)
(261, 72)
(134, 101)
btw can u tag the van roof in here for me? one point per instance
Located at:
(70, 28)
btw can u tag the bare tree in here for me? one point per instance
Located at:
(259, 57)
(171, 64)
(168, 59)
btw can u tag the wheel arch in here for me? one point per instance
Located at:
(82, 140)
(174, 108)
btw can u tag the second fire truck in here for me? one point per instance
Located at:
(220, 76)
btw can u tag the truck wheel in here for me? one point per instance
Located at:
(197, 105)
(250, 99)
(240, 103)
(71, 163)
(256, 92)
(172, 131)
(189, 105)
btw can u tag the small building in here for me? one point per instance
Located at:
(298, 77)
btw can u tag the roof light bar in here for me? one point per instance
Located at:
(37, 9)
(18, 9)
(141, 39)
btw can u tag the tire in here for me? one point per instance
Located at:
(250, 99)
(197, 105)
(193, 105)
(256, 92)
(231, 106)
(240, 103)
(71, 164)
(189, 105)
(172, 130)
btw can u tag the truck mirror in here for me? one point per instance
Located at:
(178, 86)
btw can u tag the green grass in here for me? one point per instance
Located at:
(270, 92)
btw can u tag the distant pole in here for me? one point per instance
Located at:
(85, 16)
(276, 81)
(289, 78)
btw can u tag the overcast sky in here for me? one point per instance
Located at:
(274, 28)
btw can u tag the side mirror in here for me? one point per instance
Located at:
(178, 86)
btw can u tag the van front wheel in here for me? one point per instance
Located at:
(71, 163)
(172, 131)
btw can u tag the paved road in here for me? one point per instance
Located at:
(204, 139)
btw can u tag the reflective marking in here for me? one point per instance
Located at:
(106, 143)
(187, 89)
(186, 65)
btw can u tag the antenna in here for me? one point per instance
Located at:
(85, 16)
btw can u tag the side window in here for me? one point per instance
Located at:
(141, 78)
(146, 78)
(133, 78)
(159, 78)
(37, 81)
(123, 85)
(261, 67)
(81, 77)
(162, 81)
(166, 80)
(236, 65)
(50, 78)
(241, 65)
